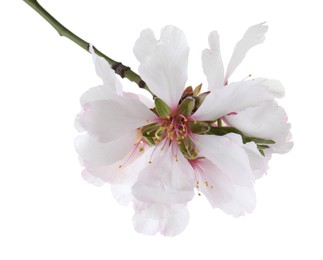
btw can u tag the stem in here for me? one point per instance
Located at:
(119, 68)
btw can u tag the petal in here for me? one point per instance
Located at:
(275, 87)
(258, 162)
(122, 193)
(145, 45)
(212, 63)
(97, 93)
(253, 36)
(228, 156)
(167, 180)
(92, 179)
(131, 165)
(105, 72)
(235, 97)
(152, 218)
(107, 120)
(104, 153)
(267, 121)
(164, 66)
(222, 192)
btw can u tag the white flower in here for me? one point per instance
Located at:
(154, 156)
(267, 120)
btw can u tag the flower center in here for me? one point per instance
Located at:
(173, 129)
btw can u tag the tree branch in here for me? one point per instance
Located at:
(119, 68)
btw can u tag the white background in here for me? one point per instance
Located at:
(47, 211)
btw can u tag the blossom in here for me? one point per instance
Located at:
(155, 154)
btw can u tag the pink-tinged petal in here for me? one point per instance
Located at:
(111, 173)
(107, 120)
(124, 171)
(105, 72)
(150, 219)
(266, 121)
(258, 162)
(228, 156)
(253, 36)
(77, 123)
(164, 67)
(122, 193)
(221, 191)
(235, 97)
(145, 45)
(101, 153)
(167, 180)
(212, 63)
(92, 179)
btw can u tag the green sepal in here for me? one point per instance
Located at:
(199, 100)
(187, 148)
(186, 107)
(199, 127)
(162, 109)
(197, 90)
(149, 140)
(150, 130)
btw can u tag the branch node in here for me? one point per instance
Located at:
(120, 69)
(142, 84)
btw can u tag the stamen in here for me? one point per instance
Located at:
(135, 149)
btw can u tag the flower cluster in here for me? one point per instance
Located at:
(156, 153)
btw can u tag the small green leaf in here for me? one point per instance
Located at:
(246, 139)
(260, 146)
(262, 141)
(223, 131)
(162, 109)
(187, 106)
(262, 152)
(199, 127)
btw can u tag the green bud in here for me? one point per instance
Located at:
(162, 109)
(187, 106)
(199, 127)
